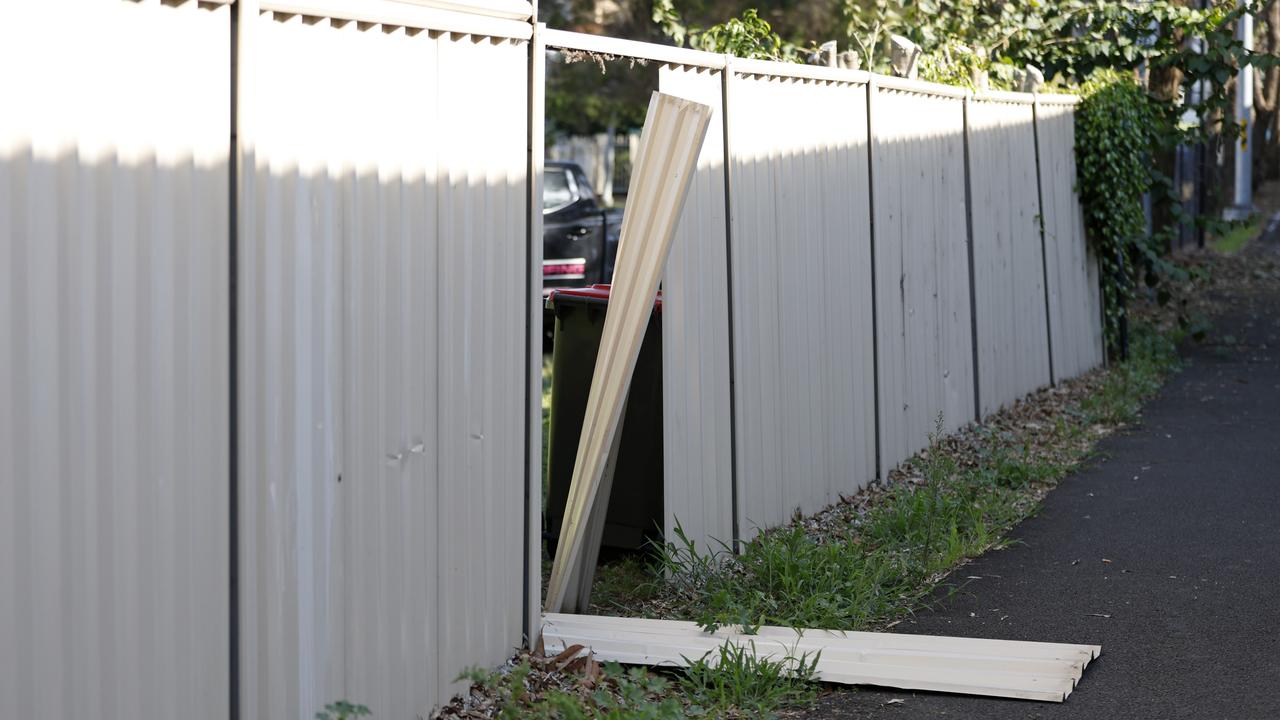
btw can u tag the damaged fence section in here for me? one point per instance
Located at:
(270, 335)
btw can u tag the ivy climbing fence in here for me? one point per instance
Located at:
(270, 348)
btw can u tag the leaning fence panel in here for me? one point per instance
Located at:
(1008, 262)
(114, 360)
(923, 323)
(1075, 301)
(801, 294)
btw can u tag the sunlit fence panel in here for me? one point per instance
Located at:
(924, 330)
(1008, 259)
(801, 283)
(696, 433)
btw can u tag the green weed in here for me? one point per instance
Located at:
(733, 682)
(1152, 357)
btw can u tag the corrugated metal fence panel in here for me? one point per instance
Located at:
(114, 352)
(1075, 304)
(924, 332)
(697, 462)
(802, 295)
(298, 184)
(1008, 269)
(481, 314)
(383, 330)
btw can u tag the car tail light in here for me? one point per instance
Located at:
(567, 269)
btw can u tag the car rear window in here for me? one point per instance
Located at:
(556, 191)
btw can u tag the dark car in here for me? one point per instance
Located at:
(580, 239)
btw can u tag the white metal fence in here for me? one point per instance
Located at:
(884, 252)
(369, 392)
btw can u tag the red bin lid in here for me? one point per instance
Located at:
(598, 293)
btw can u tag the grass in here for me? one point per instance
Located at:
(733, 682)
(1153, 355)
(878, 566)
(1234, 240)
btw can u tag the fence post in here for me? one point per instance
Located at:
(875, 320)
(726, 82)
(244, 16)
(533, 343)
(1044, 246)
(973, 293)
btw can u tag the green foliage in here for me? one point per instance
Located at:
(1068, 38)
(748, 36)
(587, 95)
(867, 24)
(733, 682)
(342, 710)
(953, 63)
(632, 694)
(1116, 127)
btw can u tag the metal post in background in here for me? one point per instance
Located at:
(1242, 201)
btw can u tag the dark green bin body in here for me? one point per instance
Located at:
(635, 503)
